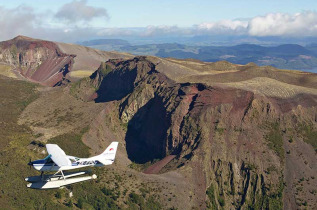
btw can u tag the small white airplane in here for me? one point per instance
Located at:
(58, 161)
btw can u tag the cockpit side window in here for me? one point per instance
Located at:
(49, 161)
(73, 160)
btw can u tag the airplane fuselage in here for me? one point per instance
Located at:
(43, 165)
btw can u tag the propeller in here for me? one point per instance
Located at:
(30, 163)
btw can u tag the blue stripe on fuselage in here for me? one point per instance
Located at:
(36, 162)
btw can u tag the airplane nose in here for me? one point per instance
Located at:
(30, 163)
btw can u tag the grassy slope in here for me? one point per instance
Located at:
(6, 71)
(80, 73)
(14, 155)
(104, 193)
(70, 141)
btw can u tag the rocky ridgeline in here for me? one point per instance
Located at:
(238, 148)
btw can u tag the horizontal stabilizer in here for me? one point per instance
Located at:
(105, 161)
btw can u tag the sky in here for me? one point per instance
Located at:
(75, 20)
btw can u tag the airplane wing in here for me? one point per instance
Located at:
(57, 155)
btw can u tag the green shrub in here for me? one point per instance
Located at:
(211, 195)
(275, 139)
(80, 203)
(221, 201)
(58, 195)
(69, 203)
(309, 133)
(152, 204)
(107, 191)
(137, 199)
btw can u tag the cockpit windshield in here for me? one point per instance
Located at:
(48, 159)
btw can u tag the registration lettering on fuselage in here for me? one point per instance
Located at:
(90, 162)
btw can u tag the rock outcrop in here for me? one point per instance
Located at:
(49, 63)
(240, 149)
(37, 60)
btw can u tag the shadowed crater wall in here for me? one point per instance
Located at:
(147, 131)
(116, 85)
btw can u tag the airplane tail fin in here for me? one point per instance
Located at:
(108, 156)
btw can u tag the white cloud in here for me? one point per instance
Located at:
(16, 21)
(225, 26)
(165, 30)
(274, 24)
(115, 32)
(79, 11)
(279, 24)
(221, 27)
(24, 20)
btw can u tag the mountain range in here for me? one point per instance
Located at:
(286, 56)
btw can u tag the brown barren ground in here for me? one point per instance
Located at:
(156, 167)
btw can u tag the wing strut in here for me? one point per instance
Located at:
(62, 174)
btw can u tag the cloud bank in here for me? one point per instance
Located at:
(224, 27)
(16, 21)
(278, 24)
(273, 24)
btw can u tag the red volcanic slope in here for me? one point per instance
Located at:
(51, 71)
(39, 61)
(155, 168)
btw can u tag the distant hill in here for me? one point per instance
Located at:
(104, 42)
(287, 56)
(312, 47)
